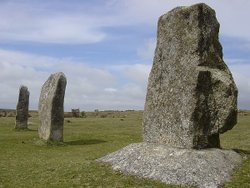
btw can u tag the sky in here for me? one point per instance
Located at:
(104, 47)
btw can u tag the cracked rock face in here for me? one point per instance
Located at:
(51, 108)
(22, 108)
(191, 96)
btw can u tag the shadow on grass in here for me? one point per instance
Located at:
(84, 142)
(41, 142)
(242, 152)
(24, 129)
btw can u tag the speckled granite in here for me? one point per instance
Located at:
(205, 168)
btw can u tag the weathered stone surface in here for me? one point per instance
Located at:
(207, 168)
(191, 95)
(22, 108)
(51, 108)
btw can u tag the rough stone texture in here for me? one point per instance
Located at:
(22, 108)
(51, 108)
(205, 168)
(191, 96)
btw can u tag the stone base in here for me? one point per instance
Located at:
(203, 168)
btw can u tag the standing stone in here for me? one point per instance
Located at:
(76, 113)
(51, 108)
(191, 96)
(191, 99)
(22, 108)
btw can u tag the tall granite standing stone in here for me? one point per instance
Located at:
(191, 96)
(51, 108)
(191, 99)
(22, 108)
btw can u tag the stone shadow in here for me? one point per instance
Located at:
(242, 151)
(85, 142)
(24, 129)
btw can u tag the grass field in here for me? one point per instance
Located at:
(26, 161)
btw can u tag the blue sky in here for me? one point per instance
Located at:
(104, 47)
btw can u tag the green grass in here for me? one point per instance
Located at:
(26, 161)
(239, 140)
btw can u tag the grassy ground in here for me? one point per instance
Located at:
(25, 161)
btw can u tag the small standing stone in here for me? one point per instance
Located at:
(22, 108)
(76, 113)
(51, 108)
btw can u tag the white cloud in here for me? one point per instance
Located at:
(241, 76)
(51, 22)
(90, 88)
(138, 73)
(18, 68)
(146, 52)
(134, 91)
(32, 21)
(110, 90)
(231, 14)
(87, 88)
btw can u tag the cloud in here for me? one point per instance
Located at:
(232, 14)
(146, 52)
(110, 90)
(135, 73)
(18, 68)
(241, 76)
(88, 88)
(134, 91)
(113, 85)
(31, 21)
(138, 73)
(84, 22)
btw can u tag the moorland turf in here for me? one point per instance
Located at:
(26, 161)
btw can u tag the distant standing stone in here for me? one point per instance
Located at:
(22, 108)
(51, 108)
(191, 95)
(76, 113)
